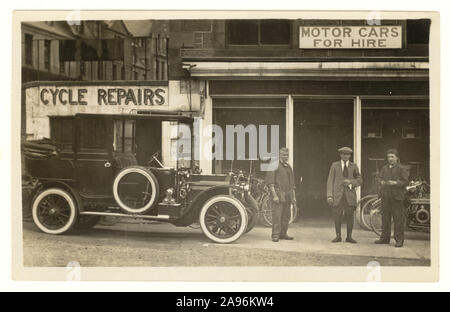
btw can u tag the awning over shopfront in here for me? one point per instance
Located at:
(329, 70)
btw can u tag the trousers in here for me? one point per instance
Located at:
(392, 209)
(346, 211)
(281, 215)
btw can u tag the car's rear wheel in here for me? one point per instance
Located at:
(223, 219)
(135, 189)
(54, 211)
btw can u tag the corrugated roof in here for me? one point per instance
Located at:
(57, 28)
(139, 28)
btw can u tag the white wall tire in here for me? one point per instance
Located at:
(153, 183)
(54, 211)
(225, 214)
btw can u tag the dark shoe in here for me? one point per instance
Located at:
(398, 244)
(287, 237)
(337, 239)
(381, 241)
(350, 240)
(275, 239)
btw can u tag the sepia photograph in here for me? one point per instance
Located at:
(227, 142)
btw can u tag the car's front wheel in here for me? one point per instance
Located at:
(54, 211)
(223, 219)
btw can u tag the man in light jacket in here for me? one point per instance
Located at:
(343, 179)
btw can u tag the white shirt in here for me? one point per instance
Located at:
(342, 166)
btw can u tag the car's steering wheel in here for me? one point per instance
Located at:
(154, 158)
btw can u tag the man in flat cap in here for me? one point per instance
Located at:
(393, 180)
(343, 179)
(281, 185)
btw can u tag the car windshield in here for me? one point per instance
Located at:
(180, 144)
(124, 136)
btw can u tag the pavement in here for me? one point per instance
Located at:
(161, 244)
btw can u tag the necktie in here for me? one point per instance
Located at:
(345, 173)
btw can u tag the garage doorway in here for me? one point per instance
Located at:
(321, 126)
(249, 111)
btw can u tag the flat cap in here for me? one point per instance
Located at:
(345, 149)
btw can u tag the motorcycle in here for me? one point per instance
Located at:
(417, 212)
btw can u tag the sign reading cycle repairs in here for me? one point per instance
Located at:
(132, 97)
(350, 37)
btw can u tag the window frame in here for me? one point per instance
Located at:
(82, 148)
(133, 144)
(62, 144)
(259, 44)
(417, 127)
(28, 49)
(47, 54)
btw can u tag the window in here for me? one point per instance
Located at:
(47, 44)
(411, 128)
(418, 31)
(258, 32)
(114, 72)
(180, 142)
(61, 132)
(372, 125)
(93, 134)
(28, 49)
(124, 136)
(83, 68)
(275, 32)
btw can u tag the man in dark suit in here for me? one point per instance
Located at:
(281, 185)
(343, 178)
(393, 180)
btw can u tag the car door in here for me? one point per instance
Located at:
(93, 164)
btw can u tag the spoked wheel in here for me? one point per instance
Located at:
(294, 212)
(376, 217)
(54, 211)
(252, 212)
(367, 207)
(375, 220)
(266, 209)
(223, 219)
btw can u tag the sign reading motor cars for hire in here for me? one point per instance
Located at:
(350, 37)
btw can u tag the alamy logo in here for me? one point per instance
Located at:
(235, 142)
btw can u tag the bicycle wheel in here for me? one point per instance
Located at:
(365, 211)
(375, 219)
(294, 212)
(266, 211)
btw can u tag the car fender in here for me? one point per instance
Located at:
(190, 215)
(45, 184)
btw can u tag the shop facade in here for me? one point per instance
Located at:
(316, 85)
(322, 97)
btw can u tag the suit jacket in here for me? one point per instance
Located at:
(335, 183)
(399, 174)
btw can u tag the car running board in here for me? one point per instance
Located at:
(123, 215)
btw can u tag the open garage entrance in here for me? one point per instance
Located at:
(270, 112)
(321, 126)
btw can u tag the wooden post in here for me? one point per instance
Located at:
(357, 138)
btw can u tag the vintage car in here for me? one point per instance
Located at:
(109, 165)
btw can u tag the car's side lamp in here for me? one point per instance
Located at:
(169, 200)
